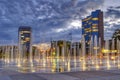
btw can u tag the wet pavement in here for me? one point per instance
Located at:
(80, 75)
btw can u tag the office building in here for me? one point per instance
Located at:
(93, 26)
(24, 35)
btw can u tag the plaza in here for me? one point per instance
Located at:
(59, 40)
(80, 75)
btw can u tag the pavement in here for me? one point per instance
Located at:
(80, 75)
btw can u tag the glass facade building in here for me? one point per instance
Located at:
(93, 26)
(24, 34)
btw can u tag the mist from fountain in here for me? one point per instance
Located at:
(108, 58)
(74, 55)
(100, 51)
(91, 51)
(65, 62)
(63, 55)
(96, 52)
(58, 57)
(83, 53)
(113, 53)
(69, 61)
(118, 53)
(31, 56)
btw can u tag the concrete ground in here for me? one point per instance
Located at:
(81, 75)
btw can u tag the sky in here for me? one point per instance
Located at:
(54, 19)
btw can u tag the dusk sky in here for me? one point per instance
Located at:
(54, 18)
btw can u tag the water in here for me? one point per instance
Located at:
(83, 62)
(118, 52)
(113, 53)
(107, 54)
(47, 62)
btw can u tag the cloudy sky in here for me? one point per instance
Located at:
(54, 19)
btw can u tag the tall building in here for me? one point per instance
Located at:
(24, 35)
(93, 26)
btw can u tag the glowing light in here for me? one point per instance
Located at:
(97, 67)
(84, 68)
(100, 62)
(113, 57)
(119, 66)
(95, 19)
(69, 66)
(18, 65)
(96, 47)
(53, 53)
(108, 65)
(108, 51)
(105, 51)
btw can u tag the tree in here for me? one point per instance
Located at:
(116, 34)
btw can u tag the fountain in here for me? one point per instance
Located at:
(96, 52)
(64, 60)
(69, 57)
(74, 55)
(58, 57)
(100, 51)
(68, 61)
(63, 55)
(91, 51)
(118, 52)
(113, 53)
(107, 52)
(83, 53)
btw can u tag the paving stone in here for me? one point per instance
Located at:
(81, 75)
(113, 71)
(8, 72)
(90, 74)
(5, 78)
(58, 77)
(26, 77)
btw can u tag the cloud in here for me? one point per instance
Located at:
(52, 18)
(112, 20)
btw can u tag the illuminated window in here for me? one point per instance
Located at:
(27, 39)
(94, 24)
(95, 30)
(26, 31)
(94, 19)
(87, 19)
(21, 32)
(22, 36)
(94, 27)
(96, 48)
(22, 42)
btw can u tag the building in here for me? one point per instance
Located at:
(60, 48)
(93, 26)
(24, 35)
